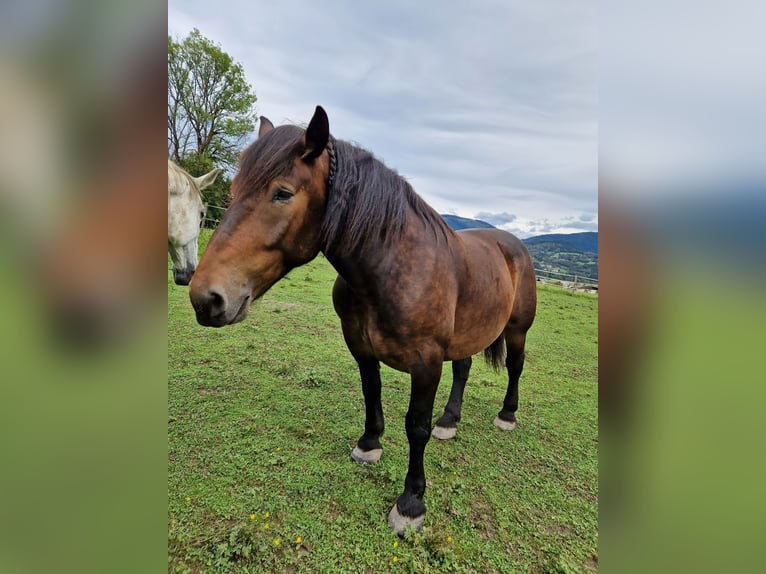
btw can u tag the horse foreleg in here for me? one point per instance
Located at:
(409, 508)
(446, 426)
(368, 448)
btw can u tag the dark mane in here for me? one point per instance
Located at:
(368, 204)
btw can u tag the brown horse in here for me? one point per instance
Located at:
(410, 292)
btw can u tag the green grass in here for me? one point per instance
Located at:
(263, 415)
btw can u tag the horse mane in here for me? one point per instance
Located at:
(368, 203)
(181, 173)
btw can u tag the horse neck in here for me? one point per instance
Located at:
(369, 268)
(363, 262)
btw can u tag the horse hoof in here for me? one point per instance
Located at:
(444, 433)
(366, 456)
(505, 425)
(398, 523)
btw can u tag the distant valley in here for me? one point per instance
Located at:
(565, 253)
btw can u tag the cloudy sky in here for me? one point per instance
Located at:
(488, 108)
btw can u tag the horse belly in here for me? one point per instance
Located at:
(474, 338)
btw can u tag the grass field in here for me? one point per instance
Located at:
(263, 415)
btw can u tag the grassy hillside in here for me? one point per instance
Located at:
(572, 254)
(263, 415)
(586, 241)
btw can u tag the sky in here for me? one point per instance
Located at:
(681, 107)
(488, 108)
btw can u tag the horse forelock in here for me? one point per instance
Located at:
(267, 157)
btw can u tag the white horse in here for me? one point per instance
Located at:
(185, 213)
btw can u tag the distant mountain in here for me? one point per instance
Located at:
(458, 223)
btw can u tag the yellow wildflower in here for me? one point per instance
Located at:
(277, 542)
(266, 515)
(298, 540)
(188, 499)
(449, 538)
(266, 526)
(252, 517)
(394, 559)
(396, 543)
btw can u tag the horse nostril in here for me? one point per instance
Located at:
(216, 302)
(210, 303)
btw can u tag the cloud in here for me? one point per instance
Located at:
(496, 219)
(500, 122)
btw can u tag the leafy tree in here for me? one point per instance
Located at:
(210, 104)
(210, 111)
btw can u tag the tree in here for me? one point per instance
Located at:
(210, 104)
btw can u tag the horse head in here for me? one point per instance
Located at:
(273, 223)
(186, 211)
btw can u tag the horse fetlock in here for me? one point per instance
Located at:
(448, 419)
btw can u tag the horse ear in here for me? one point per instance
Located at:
(266, 127)
(206, 180)
(317, 135)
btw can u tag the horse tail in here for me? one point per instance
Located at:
(495, 353)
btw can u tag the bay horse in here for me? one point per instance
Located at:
(186, 210)
(410, 292)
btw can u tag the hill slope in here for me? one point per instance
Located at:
(586, 241)
(571, 254)
(457, 223)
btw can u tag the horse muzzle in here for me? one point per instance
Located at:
(215, 309)
(183, 276)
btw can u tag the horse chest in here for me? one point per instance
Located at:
(396, 339)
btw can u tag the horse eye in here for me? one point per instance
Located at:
(281, 194)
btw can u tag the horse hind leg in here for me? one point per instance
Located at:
(446, 426)
(514, 362)
(368, 449)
